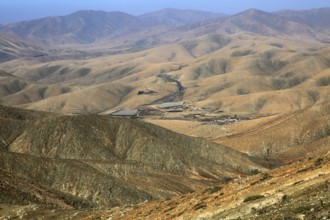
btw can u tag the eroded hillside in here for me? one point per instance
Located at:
(106, 162)
(296, 191)
(253, 94)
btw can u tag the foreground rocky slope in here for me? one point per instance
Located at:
(102, 162)
(297, 191)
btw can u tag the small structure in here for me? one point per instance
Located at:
(133, 113)
(173, 105)
(146, 92)
(149, 111)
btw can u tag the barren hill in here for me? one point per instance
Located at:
(12, 47)
(253, 85)
(299, 190)
(176, 17)
(134, 32)
(239, 73)
(314, 17)
(84, 27)
(80, 27)
(104, 161)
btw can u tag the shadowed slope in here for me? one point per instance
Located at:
(110, 161)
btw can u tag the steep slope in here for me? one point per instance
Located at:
(314, 17)
(11, 47)
(10, 84)
(134, 32)
(19, 191)
(85, 27)
(115, 32)
(258, 22)
(106, 162)
(80, 27)
(264, 23)
(299, 190)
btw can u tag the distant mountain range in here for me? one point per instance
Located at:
(315, 17)
(176, 17)
(85, 27)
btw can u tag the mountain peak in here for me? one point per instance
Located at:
(99, 12)
(253, 12)
(90, 26)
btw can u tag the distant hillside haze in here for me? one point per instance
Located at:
(264, 23)
(85, 27)
(318, 17)
(80, 27)
(177, 17)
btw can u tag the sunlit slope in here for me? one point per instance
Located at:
(249, 63)
(248, 74)
(109, 81)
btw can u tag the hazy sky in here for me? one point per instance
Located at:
(17, 10)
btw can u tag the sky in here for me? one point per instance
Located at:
(19, 10)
